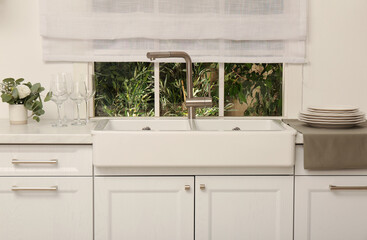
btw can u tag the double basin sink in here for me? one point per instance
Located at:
(197, 143)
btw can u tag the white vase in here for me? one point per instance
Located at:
(18, 114)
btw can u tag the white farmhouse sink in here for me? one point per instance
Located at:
(211, 143)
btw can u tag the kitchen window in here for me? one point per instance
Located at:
(127, 89)
(230, 35)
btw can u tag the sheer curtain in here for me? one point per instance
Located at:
(209, 30)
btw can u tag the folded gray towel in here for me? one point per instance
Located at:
(332, 149)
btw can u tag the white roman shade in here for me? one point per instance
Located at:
(209, 30)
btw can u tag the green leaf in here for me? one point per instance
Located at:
(12, 101)
(39, 112)
(15, 93)
(48, 97)
(28, 104)
(9, 80)
(28, 84)
(32, 98)
(36, 106)
(36, 118)
(6, 97)
(19, 80)
(35, 88)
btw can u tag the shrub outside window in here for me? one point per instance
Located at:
(126, 89)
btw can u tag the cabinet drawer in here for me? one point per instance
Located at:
(330, 207)
(45, 160)
(56, 208)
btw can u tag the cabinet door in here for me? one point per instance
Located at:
(149, 208)
(46, 208)
(238, 208)
(322, 213)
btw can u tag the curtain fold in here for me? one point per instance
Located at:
(209, 30)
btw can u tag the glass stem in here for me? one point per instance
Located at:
(86, 112)
(58, 114)
(77, 109)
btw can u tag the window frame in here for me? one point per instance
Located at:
(292, 88)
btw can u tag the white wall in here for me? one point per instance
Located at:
(337, 53)
(334, 74)
(21, 49)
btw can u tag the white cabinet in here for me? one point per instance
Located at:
(144, 208)
(322, 213)
(244, 207)
(227, 207)
(46, 192)
(47, 208)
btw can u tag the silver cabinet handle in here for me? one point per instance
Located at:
(16, 161)
(202, 186)
(16, 188)
(187, 187)
(333, 187)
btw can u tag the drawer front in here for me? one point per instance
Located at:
(56, 208)
(331, 207)
(45, 160)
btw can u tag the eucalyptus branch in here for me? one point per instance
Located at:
(17, 92)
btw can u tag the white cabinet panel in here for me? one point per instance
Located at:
(238, 208)
(321, 213)
(45, 160)
(61, 209)
(144, 208)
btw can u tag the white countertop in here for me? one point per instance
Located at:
(299, 138)
(44, 133)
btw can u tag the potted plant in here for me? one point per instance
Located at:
(21, 98)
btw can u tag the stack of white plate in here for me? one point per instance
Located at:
(333, 116)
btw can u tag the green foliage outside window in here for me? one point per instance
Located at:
(124, 89)
(173, 88)
(257, 86)
(127, 89)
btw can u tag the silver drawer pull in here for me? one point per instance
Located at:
(52, 188)
(333, 187)
(51, 161)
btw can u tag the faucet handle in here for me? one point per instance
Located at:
(199, 102)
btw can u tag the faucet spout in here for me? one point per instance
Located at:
(190, 96)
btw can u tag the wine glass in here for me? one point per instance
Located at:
(89, 91)
(59, 92)
(77, 93)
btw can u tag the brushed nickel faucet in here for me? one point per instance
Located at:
(191, 102)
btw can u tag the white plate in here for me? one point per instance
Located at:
(333, 114)
(331, 125)
(321, 125)
(333, 118)
(340, 108)
(332, 121)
